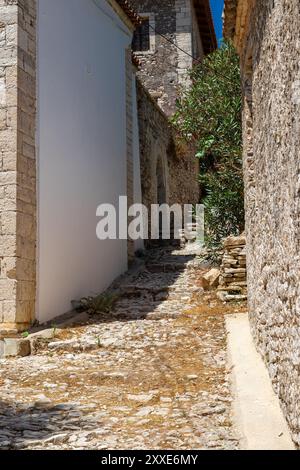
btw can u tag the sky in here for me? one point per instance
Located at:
(217, 10)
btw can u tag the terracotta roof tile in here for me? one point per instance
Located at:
(128, 9)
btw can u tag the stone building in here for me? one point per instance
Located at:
(70, 137)
(173, 34)
(169, 171)
(266, 34)
(68, 143)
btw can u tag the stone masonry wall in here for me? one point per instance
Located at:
(164, 67)
(161, 153)
(129, 141)
(17, 163)
(271, 82)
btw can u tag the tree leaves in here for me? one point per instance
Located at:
(209, 113)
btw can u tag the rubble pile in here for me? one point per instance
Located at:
(233, 279)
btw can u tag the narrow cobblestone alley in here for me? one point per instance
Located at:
(151, 375)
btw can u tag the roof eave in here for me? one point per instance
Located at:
(206, 25)
(126, 13)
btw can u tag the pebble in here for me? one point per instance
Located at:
(42, 400)
(140, 398)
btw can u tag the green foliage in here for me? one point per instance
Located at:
(54, 328)
(209, 114)
(103, 303)
(224, 209)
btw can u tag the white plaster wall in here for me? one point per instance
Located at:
(81, 147)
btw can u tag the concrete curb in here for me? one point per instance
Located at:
(257, 413)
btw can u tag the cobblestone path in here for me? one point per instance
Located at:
(152, 375)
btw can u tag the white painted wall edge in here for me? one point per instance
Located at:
(81, 140)
(257, 414)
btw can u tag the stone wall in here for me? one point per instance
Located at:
(270, 53)
(17, 162)
(169, 171)
(233, 278)
(129, 142)
(164, 67)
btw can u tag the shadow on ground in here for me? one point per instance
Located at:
(141, 290)
(22, 425)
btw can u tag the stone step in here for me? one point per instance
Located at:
(166, 267)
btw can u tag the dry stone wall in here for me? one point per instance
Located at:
(233, 279)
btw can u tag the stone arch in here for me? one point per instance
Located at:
(160, 172)
(161, 189)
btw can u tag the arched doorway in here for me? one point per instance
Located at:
(160, 183)
(161, 194)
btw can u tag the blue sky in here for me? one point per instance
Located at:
(217, 10)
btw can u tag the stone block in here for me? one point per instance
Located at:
(8, 223)
(211, 279)
(25, 310)
(3, 122)
(8, 289)
(9, 311)
(49, 333)
(14, 347)
(235, 241)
